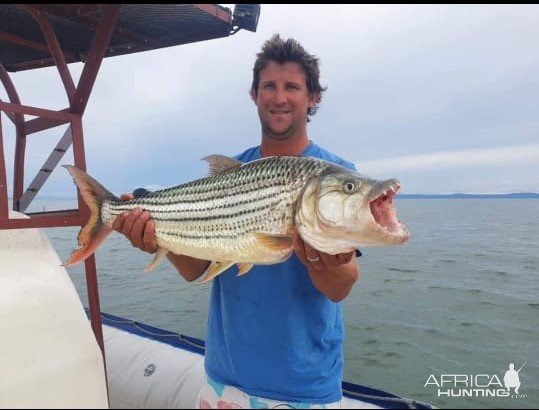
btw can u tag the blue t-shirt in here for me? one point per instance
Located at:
(271, 333)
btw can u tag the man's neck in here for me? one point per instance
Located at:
(271, 147)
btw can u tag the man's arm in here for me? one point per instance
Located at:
(139, 228)
(190, 268)
(332, 275)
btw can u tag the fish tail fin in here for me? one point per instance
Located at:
(95, 231)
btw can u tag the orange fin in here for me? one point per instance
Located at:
(215, 269)
(89, 247)
(274, 242)
(220, 163)
(95, 231)
(243, 268)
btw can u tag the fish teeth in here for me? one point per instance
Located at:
(393, 188)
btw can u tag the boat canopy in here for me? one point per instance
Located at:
(138, 27)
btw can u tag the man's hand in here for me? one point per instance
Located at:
(137, 226)
(317, 260)
(332, 275)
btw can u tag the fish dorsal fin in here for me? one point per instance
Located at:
(220, 163)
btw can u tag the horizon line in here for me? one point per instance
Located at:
(398, 194)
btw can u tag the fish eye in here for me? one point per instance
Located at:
(350, 186)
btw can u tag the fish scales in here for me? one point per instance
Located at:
(215, 216)
(248, 214)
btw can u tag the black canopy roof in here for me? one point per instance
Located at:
(139, 27)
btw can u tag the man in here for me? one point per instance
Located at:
(511, 378)
(275, 336)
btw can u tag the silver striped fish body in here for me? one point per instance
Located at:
(221, 217)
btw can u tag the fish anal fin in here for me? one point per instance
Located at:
(215, 269)
(274, 242)
(243, 268)
(159, 256)
(220, 163)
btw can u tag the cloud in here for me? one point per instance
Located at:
(455, 159)
(441, 80)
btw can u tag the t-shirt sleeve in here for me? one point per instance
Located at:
(350, 165)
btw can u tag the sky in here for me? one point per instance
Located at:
(443, 97)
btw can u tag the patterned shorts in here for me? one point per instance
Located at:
(215, 395)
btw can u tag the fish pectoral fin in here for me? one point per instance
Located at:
(220, 163)
(274, 242)
(159, 256)
(243, 268)
(215, 269)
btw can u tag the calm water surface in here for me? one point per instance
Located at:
(461, 297)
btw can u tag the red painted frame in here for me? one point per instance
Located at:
(78, 97)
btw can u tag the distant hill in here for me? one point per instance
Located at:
(458, 195)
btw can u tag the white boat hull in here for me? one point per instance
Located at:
(148, 367)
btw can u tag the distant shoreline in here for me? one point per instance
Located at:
(516, 195)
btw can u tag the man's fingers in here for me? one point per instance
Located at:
(137, 230)
(129, 221)
(314, 257)
(345, 257)
(126, 197)
(311, 254)
(299, 248)
(137, 226)
(118, 223)
(150, 243)
(318, 260)
(328, 260)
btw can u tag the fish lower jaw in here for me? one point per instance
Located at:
(389, 236)
(322, 242)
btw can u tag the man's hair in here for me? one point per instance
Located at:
(283, 51)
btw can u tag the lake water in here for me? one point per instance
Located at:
(460, 298)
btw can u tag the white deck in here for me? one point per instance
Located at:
(49, 355)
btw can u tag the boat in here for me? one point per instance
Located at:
(57, 353)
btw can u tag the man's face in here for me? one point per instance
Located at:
(283, 100)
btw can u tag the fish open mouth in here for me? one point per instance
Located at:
(385, 215)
